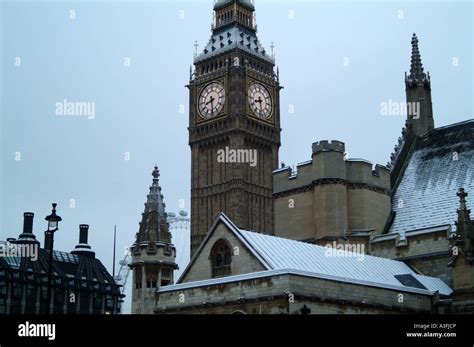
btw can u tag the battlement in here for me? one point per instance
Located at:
(329, 146)
(362, 171)
(328, 165)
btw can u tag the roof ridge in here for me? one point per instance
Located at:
(454, 124)
(242, 232)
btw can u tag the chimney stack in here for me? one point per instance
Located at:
(28, 222)
(27, 235)
(83, 234)
(83, 247)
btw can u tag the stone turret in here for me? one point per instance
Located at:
(153, 254)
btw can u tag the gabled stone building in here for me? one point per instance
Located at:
(238, 271)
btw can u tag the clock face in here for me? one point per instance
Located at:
(212, 100)
(260, 101)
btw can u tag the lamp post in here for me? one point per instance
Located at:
(53, 222)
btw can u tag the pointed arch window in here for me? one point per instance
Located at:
(221, 259)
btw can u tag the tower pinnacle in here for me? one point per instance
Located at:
(154, 225)
(153, 254)
(418, 88)
(464, 218)
(417, 74)
(234, 27)
(416, 70)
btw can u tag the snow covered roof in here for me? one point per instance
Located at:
(441, 162)
(284, 256)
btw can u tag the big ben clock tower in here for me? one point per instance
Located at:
(234, 125)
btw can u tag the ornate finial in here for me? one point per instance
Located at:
(156, 173)
(196, 45)
(416, 70)
(272, 46)
(462, 195)
(463, 211)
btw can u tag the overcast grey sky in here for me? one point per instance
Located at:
(47, 56)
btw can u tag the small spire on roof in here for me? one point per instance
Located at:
(416, 70)
(464, 225)
(463, 212)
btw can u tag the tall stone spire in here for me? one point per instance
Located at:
(416, 69)
(154, 225)
(420, 118)
(418, 88)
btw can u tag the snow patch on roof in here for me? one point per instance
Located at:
(442, 162)
(285, 256)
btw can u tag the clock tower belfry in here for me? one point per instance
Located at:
(234, 125)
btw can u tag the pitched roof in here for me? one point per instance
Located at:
(279, 255)
(425, 196)
(222, 3)
(229, 38)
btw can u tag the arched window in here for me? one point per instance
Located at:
(221, 258)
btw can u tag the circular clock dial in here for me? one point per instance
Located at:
(260, 101)
(212, 100)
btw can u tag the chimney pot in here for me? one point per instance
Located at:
(83, 234)
(28, 222)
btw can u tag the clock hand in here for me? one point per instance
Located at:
(211, 101)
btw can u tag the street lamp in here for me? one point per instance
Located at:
(53, 222)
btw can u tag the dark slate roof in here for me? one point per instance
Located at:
(237, 36)
(222, 3)
(87, 271)
(425, 196)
